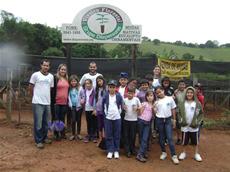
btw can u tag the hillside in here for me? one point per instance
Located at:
(165, 50)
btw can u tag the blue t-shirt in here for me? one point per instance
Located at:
(74, 96)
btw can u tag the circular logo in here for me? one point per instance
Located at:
(102, 23)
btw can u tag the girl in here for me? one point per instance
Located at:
(156, 76)
(60, 97)
(90, 111)
(165, 109)
(144, 123)
(132, 106)
(190, 117)
(76, 100)
(100, 92)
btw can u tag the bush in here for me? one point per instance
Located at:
(188, 56)
(53, 51)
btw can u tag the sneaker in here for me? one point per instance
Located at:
(47, 141)
(128, 155)
(40, 145)
(178, 142)
(182, 156)
(146, 156)
(79, 137)
(163, 156)
(116, 155)
(175, 160)
(197, 157)
(140, 158)
(71, 137)
(86, 139)
(166, 142)
(154, 135)
(94, 140)
(109, 155)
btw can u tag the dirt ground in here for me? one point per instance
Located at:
(18, 153)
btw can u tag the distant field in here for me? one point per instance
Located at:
(209, 54)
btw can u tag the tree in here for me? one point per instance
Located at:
(156, 41)
(210, 44)
(146, 39)
(89, 51)
(178, 43)
(188, 56)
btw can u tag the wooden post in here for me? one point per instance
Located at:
(134, 56)
(68, 57)
(9, 95)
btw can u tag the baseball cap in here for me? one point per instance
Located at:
(112, 82)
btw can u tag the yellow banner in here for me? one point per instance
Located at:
(174, 68)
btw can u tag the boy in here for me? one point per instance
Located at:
(123, 89)
(112, 104)
(179, 96)
(132, 106)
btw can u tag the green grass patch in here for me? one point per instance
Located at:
(211, 76)
(166, 50)
(223, 123)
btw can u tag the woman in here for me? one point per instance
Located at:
(60, 98)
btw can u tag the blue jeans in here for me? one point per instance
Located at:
(41, 115)
(112, 134)
(164, 126)
(144, 128)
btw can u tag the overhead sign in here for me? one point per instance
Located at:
(101, 23)
(174, 68)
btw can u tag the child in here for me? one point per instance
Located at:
(149, 77)
(165, 109)
(112, 104)
(144, 86)
(156, 77)
(90, 111)
(144, 123)
(179, 96)
(100, 92)
(76, 100)
(166, 84)
(131, 106)
(199, 94)
(191, 114)
(123, 81)
(133, 83)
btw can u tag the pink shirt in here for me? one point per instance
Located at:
(147, 113)
(62, 92)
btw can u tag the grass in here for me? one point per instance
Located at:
(216, 124)
(164, 50)
(223, 122)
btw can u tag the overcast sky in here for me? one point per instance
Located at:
(193, 21)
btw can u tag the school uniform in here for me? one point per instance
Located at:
(112, 105)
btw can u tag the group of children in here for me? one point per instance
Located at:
(117, 113)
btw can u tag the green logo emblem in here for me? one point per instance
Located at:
(102, 23)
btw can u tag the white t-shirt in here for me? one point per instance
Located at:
(113, 112)
(164, 107)
(121, 90)
(42, 84)
(156, 83)
(130, 114)
(189, 112)
(92, 77)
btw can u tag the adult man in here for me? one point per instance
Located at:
(40, 84)
(91, 75)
